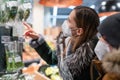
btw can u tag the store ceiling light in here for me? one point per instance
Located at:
(103, 3)
(71, 7)
(92, 6)
(118, 4)
(109, 5)
(113, 7)
(103, 7)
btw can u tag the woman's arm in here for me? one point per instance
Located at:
(44, 50)
(40, 45)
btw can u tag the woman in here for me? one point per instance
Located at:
(74, 64)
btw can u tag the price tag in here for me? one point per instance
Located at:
(5, 39)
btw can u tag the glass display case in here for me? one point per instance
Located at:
(12, 13)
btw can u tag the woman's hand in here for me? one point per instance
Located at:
(30, 32)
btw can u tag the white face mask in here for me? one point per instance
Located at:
(65, 29)
(101, 49)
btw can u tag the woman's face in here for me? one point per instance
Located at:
(72, 24)
(71, 21)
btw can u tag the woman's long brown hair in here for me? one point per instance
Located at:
(87, 19)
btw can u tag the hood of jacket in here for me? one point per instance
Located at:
(111, 62)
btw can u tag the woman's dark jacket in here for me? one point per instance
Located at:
(76, 66)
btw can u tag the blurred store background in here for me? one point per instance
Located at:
(52, 13)
(55, 14)
(43, 14)
(46, 18)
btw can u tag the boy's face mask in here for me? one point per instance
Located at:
(66, 30)
(101, 49)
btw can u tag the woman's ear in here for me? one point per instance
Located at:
(80, 31)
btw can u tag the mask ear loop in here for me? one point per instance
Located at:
(99, 35)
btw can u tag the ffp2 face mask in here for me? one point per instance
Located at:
(66, 30)
(101, 49)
